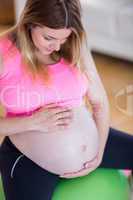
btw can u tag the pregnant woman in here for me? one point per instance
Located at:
(57, 113)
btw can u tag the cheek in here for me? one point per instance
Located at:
(39, 41)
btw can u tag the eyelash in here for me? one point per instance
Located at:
(51, 39)
(47, 38)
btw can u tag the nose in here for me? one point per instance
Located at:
(57, 46)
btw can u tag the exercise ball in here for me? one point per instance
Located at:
(101, 184)
(1, 190)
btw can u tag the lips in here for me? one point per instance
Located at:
(49, 49)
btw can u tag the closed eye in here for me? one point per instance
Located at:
(50, 39)
(46, 38)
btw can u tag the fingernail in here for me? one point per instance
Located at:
(62, 177)
(86, 165)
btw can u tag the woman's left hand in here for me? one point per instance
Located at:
(87, 168)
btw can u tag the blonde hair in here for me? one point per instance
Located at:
(38, 12)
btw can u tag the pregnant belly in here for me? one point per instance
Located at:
(62, 151)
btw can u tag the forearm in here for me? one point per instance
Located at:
(96, 96)
(10, 126)
(101, 116)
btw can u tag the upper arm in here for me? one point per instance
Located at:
(88, 66)
(1, 64)
(96, 92)
(4, 46)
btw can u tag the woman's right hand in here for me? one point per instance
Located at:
(50, 118)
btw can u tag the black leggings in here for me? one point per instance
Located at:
(24, 180)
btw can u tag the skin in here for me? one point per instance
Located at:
(98, 102)
(47, 40)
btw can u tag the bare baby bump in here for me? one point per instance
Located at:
(62, 151)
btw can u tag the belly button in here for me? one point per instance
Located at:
(84, 148)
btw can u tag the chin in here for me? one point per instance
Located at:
(46, 53)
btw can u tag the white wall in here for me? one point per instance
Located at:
(19, 4)
(109, 26)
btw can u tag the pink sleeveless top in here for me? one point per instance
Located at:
(21, 96)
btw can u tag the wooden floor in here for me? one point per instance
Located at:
(117, 75)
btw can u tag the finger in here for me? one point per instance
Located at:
(74, 175)
(56, 104)
(65, 114)
(91, 163)
(69, 175)
(62, 126)
(82, 172)
(64, 121)
(53, 109)
(64, 109)
(62, 112)
(61, 120)
(51, 105)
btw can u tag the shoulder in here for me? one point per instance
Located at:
(5, 44)
(2, 48)
(1, 64)
(5, 52)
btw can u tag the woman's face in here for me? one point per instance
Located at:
(47, 40)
